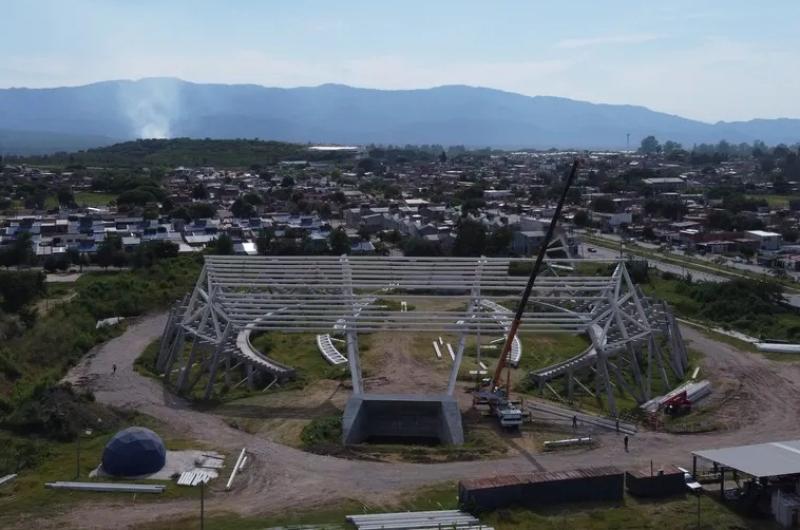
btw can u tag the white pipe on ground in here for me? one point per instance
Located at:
(235, 469)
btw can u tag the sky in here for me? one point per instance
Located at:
(704, 59)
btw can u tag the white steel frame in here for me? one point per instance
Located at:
(236, 295)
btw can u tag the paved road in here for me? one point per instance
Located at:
(282, 477)
(793, 298)
(607, 253)
(745, 267)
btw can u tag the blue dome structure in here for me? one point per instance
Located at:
(134, 451)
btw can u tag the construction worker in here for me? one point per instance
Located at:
(626, 443)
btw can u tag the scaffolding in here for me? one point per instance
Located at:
(208, 333)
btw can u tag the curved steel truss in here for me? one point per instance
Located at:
(237, 295)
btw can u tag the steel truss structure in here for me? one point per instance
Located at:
(238, 295)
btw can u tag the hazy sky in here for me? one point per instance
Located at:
(710, 60)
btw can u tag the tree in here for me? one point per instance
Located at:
(581, 218)
(650, 146)
(242, 209)
(19, 288)
(339, 242)
(108, 250)
(790, 235)
(199, 191)
(263, 241)
(19, 253)
(603, 204)
(670, 146)
(470, 238)
(287, 182)
(151, 252)
(253, 198)
(201, 210)
(499, 242)
(65, 196)
(222, 246)
(417, 246)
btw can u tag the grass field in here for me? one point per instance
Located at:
(89, 198)
(776, 201)
(783, 325)
(299, 350)
(27, 495)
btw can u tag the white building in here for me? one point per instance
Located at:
(767, 240)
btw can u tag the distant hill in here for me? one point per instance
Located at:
(188, 152)
(448, 115)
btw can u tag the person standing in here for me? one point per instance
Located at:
(574, 422)
(113, 369)
(626, 443)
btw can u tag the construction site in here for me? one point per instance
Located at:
(632, 348)
(465, 392)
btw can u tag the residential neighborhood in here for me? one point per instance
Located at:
(738, 206)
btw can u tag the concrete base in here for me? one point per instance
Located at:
(402, 418)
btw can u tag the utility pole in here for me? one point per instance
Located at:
(202, 504)
(87, 432)
(628, 141)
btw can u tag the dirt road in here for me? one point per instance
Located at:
(282, 477)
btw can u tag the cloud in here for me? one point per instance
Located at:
(604, 40)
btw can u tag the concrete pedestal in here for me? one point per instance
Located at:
(399, 418)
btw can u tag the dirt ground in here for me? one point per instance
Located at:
(761, 407)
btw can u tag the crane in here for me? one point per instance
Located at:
(498, 398)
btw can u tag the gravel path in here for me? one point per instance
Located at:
(281, 477)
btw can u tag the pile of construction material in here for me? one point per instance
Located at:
(777, 347)
(106, 487)
(206, 468)
(694, 390)
(549, 445)
(454, 519)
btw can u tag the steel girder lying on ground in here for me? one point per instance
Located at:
(237, 295)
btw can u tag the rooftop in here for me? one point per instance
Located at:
(771, 459)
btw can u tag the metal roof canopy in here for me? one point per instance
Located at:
(237, 295)
(318, 293)
(772, 459)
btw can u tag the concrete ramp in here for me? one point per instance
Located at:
(402, 419)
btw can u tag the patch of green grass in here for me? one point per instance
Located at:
(435, 497)
(299, 350)
(322, 431)
(543, 349)
(59, 289)
(145, 363)
(94, 199)
(58, 461)
(393, 305)
(733, 305)
(776, 201)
